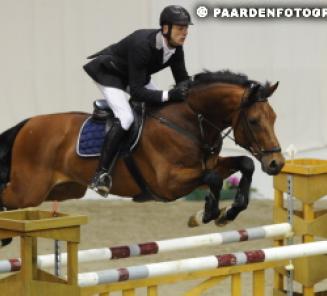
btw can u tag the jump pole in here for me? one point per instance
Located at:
(201, 263)
(156, 247)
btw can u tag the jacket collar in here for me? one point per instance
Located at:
(159, 41)
(156, 39)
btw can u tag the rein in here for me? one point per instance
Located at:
(205, 147)
(208, 149)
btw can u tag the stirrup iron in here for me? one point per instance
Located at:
(102, 184)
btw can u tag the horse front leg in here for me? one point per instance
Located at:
(245, 165)
(211, 208)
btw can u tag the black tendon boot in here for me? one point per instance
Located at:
(102, 180)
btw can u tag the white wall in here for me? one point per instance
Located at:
(44, 44)
(292, 52)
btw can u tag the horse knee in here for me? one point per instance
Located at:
(212, 178)
(247, 165)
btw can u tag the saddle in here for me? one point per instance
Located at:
(95, 127)
(93, 131)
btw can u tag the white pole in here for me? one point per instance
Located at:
(182, 243)
(201, 263)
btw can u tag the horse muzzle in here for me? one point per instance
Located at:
(273, 163)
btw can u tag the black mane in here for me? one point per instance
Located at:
(226, 76)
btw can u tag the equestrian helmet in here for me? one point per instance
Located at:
(175, 15)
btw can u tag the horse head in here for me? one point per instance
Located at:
(228, 99)
(253, 127)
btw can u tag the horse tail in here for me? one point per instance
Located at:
(7, 140)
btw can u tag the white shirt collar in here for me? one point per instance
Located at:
(167, 51)
(166, 47)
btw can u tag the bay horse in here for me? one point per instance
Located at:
(177, 152)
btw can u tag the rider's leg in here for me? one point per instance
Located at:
(118, 102)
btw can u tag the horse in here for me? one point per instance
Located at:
(178, 151)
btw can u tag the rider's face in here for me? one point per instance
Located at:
(178, 35)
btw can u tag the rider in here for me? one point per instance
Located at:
(130, 63)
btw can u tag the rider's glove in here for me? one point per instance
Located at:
(178, 93)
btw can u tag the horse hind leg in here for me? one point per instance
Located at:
(24, 190)
(6, 241)
(27, 187)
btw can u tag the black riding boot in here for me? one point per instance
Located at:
(102, 180)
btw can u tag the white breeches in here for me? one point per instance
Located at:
(118, 101)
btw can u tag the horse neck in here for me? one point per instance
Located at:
(185, 117)
(218, 102)
(182, 115)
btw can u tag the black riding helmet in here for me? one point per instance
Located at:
(174, 15)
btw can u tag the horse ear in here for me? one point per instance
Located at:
(252, 94)
(272, 89)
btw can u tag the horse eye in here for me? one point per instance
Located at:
(254, 121)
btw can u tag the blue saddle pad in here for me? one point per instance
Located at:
(91, 137)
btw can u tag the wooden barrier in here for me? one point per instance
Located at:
(201, 263)
(30, 225)
(32, 281)
(306, 181)
(159, 247)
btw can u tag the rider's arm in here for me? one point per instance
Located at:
(178, 66)
(138, 59)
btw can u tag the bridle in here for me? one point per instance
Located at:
(256, 150)
(215, 147)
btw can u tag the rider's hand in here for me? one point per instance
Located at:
(178, 94)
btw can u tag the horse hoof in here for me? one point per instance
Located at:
(195, 220)
(192, 222)
(222, 219)
(221, 222)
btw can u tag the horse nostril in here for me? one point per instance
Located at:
(273, 165)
